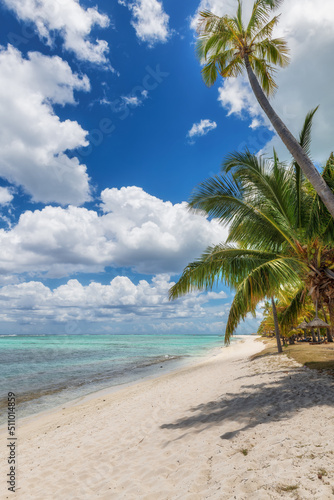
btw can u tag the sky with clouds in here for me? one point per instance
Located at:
(106, 127)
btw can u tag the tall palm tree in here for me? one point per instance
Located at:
(227, 47)
(266, 251)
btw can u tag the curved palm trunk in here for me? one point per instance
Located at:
(291, 143)
(278, 338)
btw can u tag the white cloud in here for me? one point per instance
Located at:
(307, 82)
(149, 20)
(120, 300)
(33, 141)
(69, 20)
(201, 128)
(217, 296)
(158, 236)
(133, 100)
(236, 96)
(136, 230)
(5, 196)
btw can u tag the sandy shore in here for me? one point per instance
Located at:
(227, 428)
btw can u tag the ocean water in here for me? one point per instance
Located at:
(45, 371)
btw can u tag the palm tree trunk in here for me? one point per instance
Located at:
(291, 143)
(278, 339)
(328, 330)
(314, 338)
(331, 317)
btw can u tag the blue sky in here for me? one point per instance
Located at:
(107, 127)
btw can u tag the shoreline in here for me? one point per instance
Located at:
(223, 428)
(170, 367)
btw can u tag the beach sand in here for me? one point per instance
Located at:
(225, 428)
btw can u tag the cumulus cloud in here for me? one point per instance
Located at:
(299, 86)
(68, 19)
(34, 141)
(142, 307)
(135, 230)
(5, 196)
(153, 233)
(120, 300)
(236, 96)
(149, 20)
(201, 128)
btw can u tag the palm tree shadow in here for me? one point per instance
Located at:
(256, 404)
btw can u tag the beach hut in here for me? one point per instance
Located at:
(317, 323)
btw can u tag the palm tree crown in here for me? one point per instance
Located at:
(224, 43)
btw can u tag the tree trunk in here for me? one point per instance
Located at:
(291, 143)
(331, 317)
(314, 338)
(278, 339)
(328, 330)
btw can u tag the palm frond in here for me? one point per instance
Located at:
(270, 181)
(305, 134)
(274, 51)
(305, 142)
(238, 18)
(208, 22)
(259, 17)
(260, 33)
(289, 316)
(264, 72)
(210, 73)
(222, 263)
(262, 282)
(319, 220)
(224, 199)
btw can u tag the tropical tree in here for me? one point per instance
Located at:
(273, 245)
(256, 260)
(227, 48)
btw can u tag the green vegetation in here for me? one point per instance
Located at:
(317, 357)
(279, 244)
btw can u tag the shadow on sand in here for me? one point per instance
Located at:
(294, 389)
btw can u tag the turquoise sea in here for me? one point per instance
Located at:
(45, 371)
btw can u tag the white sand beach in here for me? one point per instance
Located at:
(225, 428)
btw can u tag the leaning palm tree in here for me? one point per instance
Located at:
(267, 252)
(227, 47)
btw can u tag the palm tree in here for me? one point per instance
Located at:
(256, 260)
(227, 47)
(267, 252)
